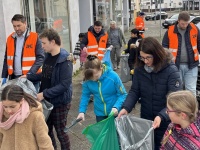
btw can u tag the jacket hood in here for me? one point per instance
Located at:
(106, 69)
(91, 29)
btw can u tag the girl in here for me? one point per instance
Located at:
(106, 86)
(184, 130)
(22, 124)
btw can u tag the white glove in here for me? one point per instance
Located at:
(85, 50)
(115, 111)
(109, 48)
(81, 115)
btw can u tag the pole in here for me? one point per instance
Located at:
(160, 22)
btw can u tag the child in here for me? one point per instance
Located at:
(22, 124)
(132, 48)
(184, 130)
(78, 53)
(106, 86)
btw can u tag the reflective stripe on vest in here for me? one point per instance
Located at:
(28, 58)
(95, 48)
(173, 41)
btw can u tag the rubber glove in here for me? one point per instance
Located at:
(81, 115)
(115, 111)
(3, 81)
(125, 46)
(132, 71)
(123, 52)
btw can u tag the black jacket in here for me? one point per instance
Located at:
(165, 43)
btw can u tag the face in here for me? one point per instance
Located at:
(11, 107)
(19, 27)
(133, 35)
(47, 45)
(96, 74)
(112, 26)
(147, 58)
(97, 29)
(175, 118)
(183, 24)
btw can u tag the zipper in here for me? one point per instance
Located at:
(104, 104)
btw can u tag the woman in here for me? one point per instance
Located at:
(154, 77)
(22, 124)
(184, 130)
(106, 86)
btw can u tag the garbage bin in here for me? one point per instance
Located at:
(125, 70)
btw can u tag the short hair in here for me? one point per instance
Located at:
(135, 31)
(81, 35)
(98, 23)
(113, 22)
(150, 45)
(51, 34)
(184, 16)
(18, 17)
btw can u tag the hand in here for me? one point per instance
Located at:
(85, 50)
(123, 52)
(133, 46)
(3, 81)
(156, 122)
(122, 112)
(115, 111)
(23, 76)
(132, 71)
(125, 46)
(40, 96)
(81, 115)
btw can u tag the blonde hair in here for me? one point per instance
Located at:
(182, 101)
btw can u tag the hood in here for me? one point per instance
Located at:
(91, 29)
(106, 70)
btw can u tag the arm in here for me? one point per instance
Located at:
(5, 67)
(122, 36)
(66, 70)
(77, 50)
(198, 40)
(39, 53)
(128, 48)
(41, 133)
(108, 44)
(84, 41)
(133, 94)
(165, 41)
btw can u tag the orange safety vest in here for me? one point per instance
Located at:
(139, 23)
(94, 48)
(28, 57)
(173, 41)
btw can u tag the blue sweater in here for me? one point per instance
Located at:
(108, 92)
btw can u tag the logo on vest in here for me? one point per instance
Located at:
(29, 46)
(194, 36)
(103, 41)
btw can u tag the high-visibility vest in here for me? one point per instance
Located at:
(139, 23)
(173, 41)
(94, 48)
(28, 53)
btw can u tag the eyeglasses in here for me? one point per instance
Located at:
(168, 111)
(148, 58)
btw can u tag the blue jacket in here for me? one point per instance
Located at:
(60, 92)
(108, 92)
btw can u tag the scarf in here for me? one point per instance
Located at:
(18, 117)
(148, 69)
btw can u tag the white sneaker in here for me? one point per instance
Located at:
(118, 67)
(115, 68)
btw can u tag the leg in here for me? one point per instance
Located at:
(118, 54)
(112, 54)
(60, 121)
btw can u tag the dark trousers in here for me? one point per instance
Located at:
(58, 120)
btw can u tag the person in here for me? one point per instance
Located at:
(184, 130)
(22, 123)
(78, 53)
(132, 48)
(116, 37)
(56, 85)
(155, 75)
(95, 41)
(139, 23)
(106, 86)
(24, 54)
(183, 40)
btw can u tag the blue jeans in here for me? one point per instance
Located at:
(189, 77)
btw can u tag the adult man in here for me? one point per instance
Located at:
(95, 40)
(56, 85)
(24, 54)
(116, 36)
(183, 39)
(139, 23)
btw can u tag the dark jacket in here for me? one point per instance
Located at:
(39, 53)
(84, 41)
(153, 88)
(60, 92)
(191, 62)
(121, 36)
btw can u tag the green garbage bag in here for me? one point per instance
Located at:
(102, 135)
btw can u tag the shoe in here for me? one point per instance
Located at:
(115, 68)
(118, 67)
(91, 99)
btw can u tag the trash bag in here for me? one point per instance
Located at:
(103, 135)
(29, 88)
(107, 59)
(135, 133)
(125, 70)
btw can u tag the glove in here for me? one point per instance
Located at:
(3, 81)
(115, 111)
(109, 48)
(85, 50)
(123, 52)
(81, 115)
(132, 71)
(125, 46)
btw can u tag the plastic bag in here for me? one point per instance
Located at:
(29, 88)
(107, 59)
(135, 133)
(103, 135)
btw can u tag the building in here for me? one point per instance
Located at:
(68, 17)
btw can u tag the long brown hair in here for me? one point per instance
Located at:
(16, 93)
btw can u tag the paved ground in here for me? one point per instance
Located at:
(79, 141)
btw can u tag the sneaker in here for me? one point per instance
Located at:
(118, 67)
(115, 68)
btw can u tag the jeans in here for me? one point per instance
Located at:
(116, 51)
(189, 77)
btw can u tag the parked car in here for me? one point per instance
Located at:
(173, 19)
(156, 16)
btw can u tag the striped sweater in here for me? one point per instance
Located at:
(183, 139)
